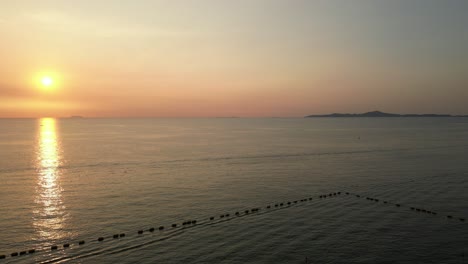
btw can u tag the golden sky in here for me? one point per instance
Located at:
(232, 58)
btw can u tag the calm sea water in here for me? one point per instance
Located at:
(66, 180)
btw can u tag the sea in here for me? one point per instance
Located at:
(234, 190)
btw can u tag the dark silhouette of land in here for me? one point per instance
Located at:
(382, 114)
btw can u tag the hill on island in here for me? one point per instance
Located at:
(382, 114)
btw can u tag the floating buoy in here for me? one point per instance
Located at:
(53, 247)
(246, 211)
(376, 200)
(412, 208)
(276, 205)
(122, 235)
(14, 254)
(227, 215)
(268, 207)
(462, 219)
(221, 216)
(22, 253)
(115, 236)
(211, 218)
(347, 193)
(434, 213)
(140, 232)
(174, 225)
(281, 204)
(237, 213)
(339, 192)
(295, 201)
(194, 222)
(289, 203)
(66, 245)
(81, 242)
(310, 199)
(449, 216)
(417, 209)
(397, 205)
(151, 229)
(161, 227)
(31, 251)
(2, 256)
(358, 196)
(385, 202)
(100, 239)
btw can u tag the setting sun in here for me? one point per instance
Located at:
(47, 81)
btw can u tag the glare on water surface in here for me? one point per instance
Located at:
(49, 215)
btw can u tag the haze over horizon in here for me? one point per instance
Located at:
(212, 58)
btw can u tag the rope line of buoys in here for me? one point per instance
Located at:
(185, 224)
(412, 208)
(226, 216)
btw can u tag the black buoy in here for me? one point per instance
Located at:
(140, 232)
(151, 229)
(281, 204)
(161, 228)
(66, 245)
(227, 215)
(289, 203)
(174, 225)
(310, 199)
(221, 216)
(412, 208)
(122, 235)
(358, 196)
(268, 207)
(53, 247)
(295, 201)
(194, 222)
(347, 193)
(2, 256)
(418, 210)
(397, 205)
(31, 251)
(385, 202)
(115, 236)
(434, 213)
(100, 239)
(81, 242)
(462, 219)
(237, 213)
(14, 254)
(376, 200)
(211, 218)
(22, 253)
(423, 210)
(449, 216)
(246, 211)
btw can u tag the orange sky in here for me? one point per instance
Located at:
(232, 58)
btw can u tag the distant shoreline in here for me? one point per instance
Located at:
(382, 114)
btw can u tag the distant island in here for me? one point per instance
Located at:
(76, 117)
(382, 114)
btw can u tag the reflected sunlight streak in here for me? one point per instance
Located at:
(49, 215)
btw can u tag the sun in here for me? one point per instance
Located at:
(47, 81)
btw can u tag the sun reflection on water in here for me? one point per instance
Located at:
(49, 215)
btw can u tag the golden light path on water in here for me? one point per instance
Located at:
(49, 213)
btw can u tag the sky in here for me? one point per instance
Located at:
(246, 58)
